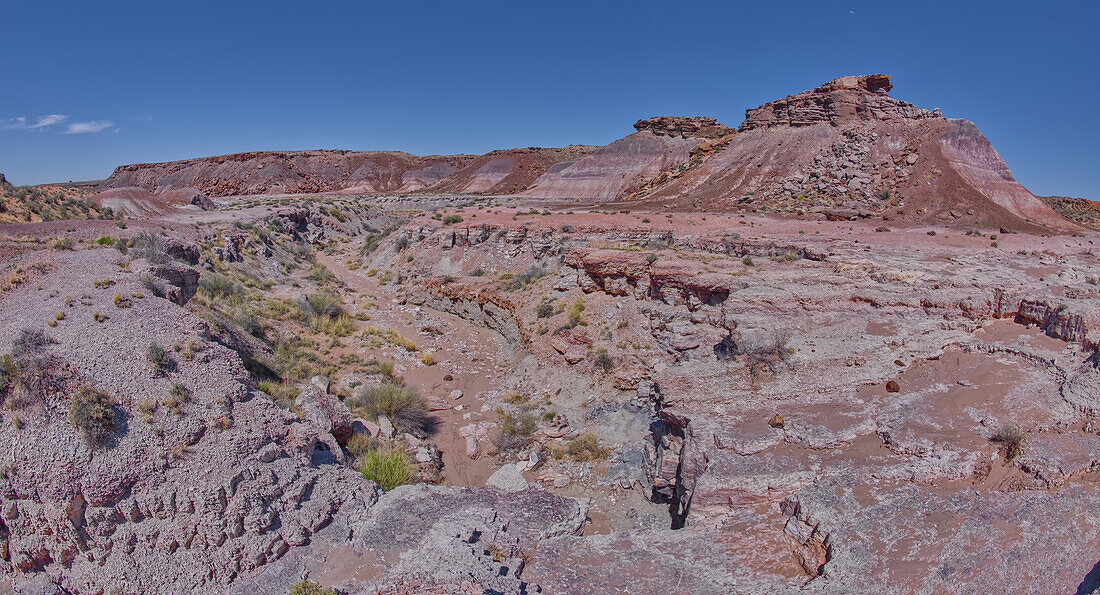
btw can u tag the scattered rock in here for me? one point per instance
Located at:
(507, 479)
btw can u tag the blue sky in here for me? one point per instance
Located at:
(113, 83)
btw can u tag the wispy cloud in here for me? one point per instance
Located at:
(57, 122)
(39, 122)
(48, 120)
(86, 127)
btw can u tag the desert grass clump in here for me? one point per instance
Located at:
(283, 393)
(1012, 440)
(404, 407)
(308, 587)
(516, 430)
(93, 413)
(586, 448)
(177, 396)
(574, 314)
(387, 467)
(216, 285)
(320, 304)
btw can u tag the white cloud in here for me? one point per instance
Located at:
(39, 122)
(86, 127)
(48, 120)
(53, 121)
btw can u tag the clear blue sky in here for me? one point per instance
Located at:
(159, 81)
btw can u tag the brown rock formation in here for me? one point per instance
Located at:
(843, 150)
(849, 149)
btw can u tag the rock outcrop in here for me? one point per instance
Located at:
(847, 149)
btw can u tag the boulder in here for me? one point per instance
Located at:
(507, 479)
(325, 411)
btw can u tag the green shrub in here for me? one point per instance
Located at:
(158, 358)
(388, 468)
(450, 219)
(545, 309)
(404, 407)
(93, 413)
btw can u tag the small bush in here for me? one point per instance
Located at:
(29, 342)
(604, 361)
(93, 413)
(451, 219)
(747, 261)
(151, 247)
(62, 243)
(427, 359)
(545, 309)
(884, 194)
(404, 407)
(1011, 439)
(526, 278)
(158, 358)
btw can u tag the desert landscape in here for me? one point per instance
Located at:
(835, 347)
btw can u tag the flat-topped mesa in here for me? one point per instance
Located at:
(684, 126)
(837, 102)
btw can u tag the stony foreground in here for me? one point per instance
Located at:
(784, 406)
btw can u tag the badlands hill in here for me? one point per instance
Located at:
(844, 150)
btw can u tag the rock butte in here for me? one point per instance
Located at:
(837, 348)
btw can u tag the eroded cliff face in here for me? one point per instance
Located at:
(847, 150)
